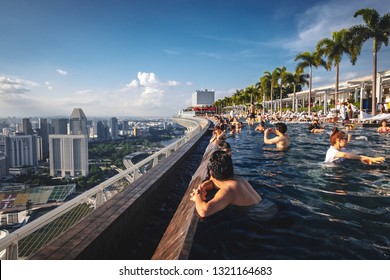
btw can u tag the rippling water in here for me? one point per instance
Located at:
(310, 210)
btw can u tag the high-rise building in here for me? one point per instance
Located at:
(68, 155)
(59, 126)
(114, 128)
(43, 132)
(103, 131)
(125, 127)
(3, 165)
(23, 151)
(78, 123)
(203, 98)
(26, 125)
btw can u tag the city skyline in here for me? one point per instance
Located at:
(146, 59)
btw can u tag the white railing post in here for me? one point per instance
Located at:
(99, 199)
(136, 174)
(155, 161)
(12, 251)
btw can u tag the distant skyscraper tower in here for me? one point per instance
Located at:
(59, 126)
(27, 128)
(43, 132)
(103, 131)
(3, 165)
(5, 147)
(125, 127)
(114, 128)
(78, 123)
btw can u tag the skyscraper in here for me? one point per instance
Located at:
(114, 128)
(103, 132)
(78, 123)
(26, 125)
(43, 133)
(59, 126)
(3, 165)
(23, 151)
(68, 155)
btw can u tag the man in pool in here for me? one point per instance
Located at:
(282, 140)
(232, 190)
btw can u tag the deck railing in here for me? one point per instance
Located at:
(26, 240)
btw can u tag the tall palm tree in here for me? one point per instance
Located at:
(377, 28)
(333, 49)
(273, 77)
(308, 59)
(268, 76)
(265, 84)
(284, 78)
(298, 79)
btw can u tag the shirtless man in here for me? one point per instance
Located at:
(232, 190)
(252, 114)
(282, 140)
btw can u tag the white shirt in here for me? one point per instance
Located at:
(331, 155)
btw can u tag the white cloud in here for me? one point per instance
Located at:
(173, 83)
(146, 79)
(189, 83)
(133, 84)
(62, 72)
(321, 20)
(10, 85)
(48, 85)
(146, 95)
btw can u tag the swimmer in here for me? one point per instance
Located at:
(232, 190)
(349, 126)
(315, 127)
(218, 134)
(260, 127)
(384, 128)
(337, 151)
(225, 146)
(282, 140)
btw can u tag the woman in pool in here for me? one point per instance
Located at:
(384, 128)
(337, 151)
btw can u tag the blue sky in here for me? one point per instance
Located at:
(146, 58)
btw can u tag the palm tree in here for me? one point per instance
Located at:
(309, 60)
(265, 83)
(377, 28)
(333, 49)
(273, 77)
(284, 78)
(298, 79)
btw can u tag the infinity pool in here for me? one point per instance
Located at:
(310, 210)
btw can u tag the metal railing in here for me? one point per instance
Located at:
(24, 241)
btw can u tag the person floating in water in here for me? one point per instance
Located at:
(384, 128)
(337, 151)
(232, 190)
(282, 140)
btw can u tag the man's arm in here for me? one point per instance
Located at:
(220, 201)
(270, 141)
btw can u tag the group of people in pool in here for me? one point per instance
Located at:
(234, 190)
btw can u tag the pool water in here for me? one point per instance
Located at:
(310, 210)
